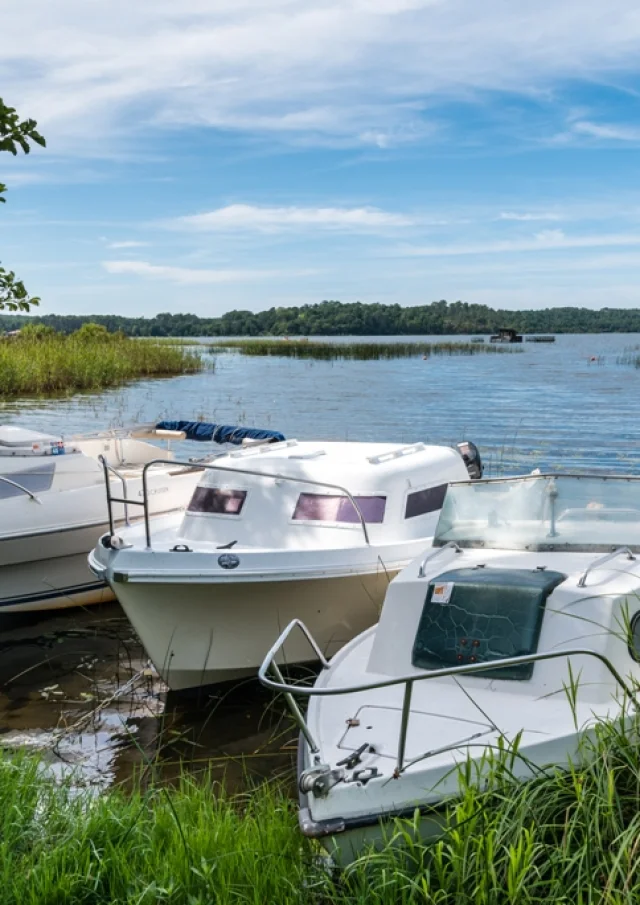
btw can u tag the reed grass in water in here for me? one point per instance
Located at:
(300, 348)
(41, 361)
(563, 837)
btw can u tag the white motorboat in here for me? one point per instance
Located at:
(53, 506)
(519, 630)
(271, 531)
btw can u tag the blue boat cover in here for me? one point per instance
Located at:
(220, 433)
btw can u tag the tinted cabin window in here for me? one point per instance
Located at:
(480, 615)
(220, 502)
(36, 480)
(316, 507)
(423, 501)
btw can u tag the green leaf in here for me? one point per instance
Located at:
(15, 135)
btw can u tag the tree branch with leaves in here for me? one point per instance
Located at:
(15, 136)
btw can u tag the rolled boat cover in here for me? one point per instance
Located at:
(220, 433)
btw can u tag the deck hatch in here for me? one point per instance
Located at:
(483, 614)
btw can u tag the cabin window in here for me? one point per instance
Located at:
(423, 501)
(36, 480)
(317, 507)
(634, 637)
(217, 500)
(482, 615)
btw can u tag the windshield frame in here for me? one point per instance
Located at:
(557, 546)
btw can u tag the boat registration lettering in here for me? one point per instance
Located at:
(442, 592)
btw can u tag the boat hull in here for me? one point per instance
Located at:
(202, 634)
(44, 565)
(50, 571)
(356, 841)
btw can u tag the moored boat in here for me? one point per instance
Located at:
(53, 506)
(518, 630)
(270, 531)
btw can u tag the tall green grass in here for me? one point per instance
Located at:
(41, 361)
(301, 348)
(563, 837)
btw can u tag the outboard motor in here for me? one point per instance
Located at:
(471, 458)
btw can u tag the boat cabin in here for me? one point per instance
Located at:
(303, 494)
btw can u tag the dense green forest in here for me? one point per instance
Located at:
(353, 319)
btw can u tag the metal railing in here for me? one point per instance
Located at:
(582, 581)
(28, 492)
(281, 686)
(452, 545)
(114, 471)
(144, 502)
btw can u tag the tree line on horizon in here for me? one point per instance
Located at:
(334, 318)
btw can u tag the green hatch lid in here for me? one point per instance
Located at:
(483, 614)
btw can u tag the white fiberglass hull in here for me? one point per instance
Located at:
(50, 571)
(43, 564)
(201, 634)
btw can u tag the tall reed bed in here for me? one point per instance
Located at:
(42, 361)
(564, 837)
(630, 356)
(300, 348)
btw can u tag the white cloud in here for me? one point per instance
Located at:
(525, 217)
(542, 241)
(129, 243)
(365, 71)
(195, 276)
(252, 217)
(608, 131)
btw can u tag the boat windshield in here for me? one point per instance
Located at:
(543, 512)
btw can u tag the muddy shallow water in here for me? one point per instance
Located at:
(77, 687)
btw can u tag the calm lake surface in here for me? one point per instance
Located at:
(567, 405)
(549, 406)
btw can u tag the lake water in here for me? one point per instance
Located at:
(566, 405)
(549, 406)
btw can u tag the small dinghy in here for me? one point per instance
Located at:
(53, 506)
(273, 530)
(520, 627)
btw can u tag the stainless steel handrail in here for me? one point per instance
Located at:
(246, 471)
(601, 562)
(408, 681)
(23, 489)
(109, 468)
(452, 545)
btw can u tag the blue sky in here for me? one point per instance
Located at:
(216, 154)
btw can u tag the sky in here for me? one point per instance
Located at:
(205, 155)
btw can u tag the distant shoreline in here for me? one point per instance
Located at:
(332, 318)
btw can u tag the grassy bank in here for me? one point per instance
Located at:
(300, 348)
(41, 361)
(563, 837)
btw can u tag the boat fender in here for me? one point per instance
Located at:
(181, 548)
(320, 780)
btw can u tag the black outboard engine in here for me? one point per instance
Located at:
(471, 457)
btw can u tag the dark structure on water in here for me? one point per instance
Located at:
(506, 336)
